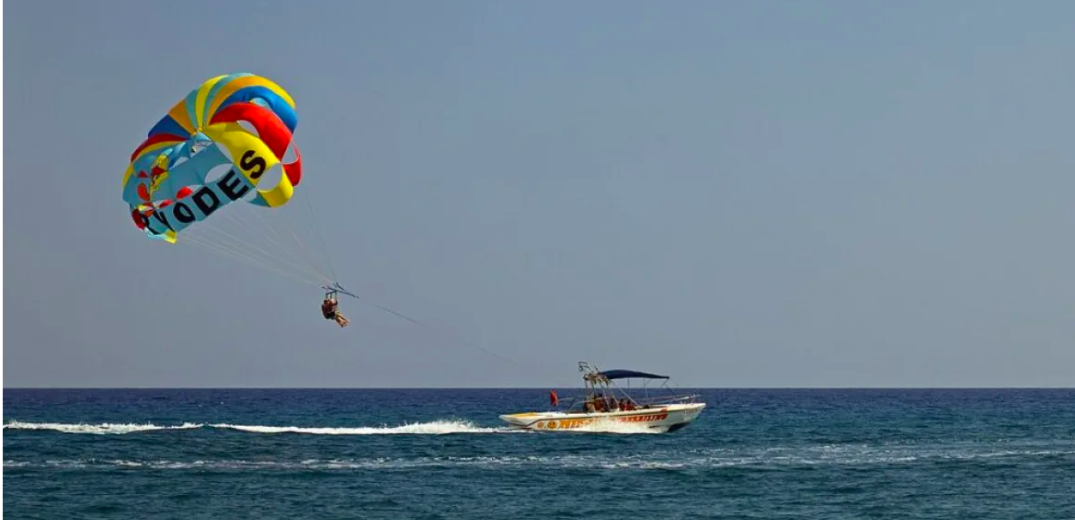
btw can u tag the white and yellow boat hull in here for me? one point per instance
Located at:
(665, 418)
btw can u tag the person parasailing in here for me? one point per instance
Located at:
(330, 309)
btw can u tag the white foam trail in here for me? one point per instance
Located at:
(427, 428)
(97, 429)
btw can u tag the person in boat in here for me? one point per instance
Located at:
(330, 310)
(600, 405)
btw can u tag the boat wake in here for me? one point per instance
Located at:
(97, 429)
(441, 427)
(426, 428)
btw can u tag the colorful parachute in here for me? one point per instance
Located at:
(226, 141)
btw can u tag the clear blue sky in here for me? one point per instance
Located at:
(855, 193)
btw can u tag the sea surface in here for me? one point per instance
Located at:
(444, 454)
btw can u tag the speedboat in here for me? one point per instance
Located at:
(599, 405)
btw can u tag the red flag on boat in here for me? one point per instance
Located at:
(553, 399)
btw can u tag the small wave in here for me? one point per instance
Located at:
(380, 463)
(97, 429)
(666, 461)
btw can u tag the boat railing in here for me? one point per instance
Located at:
(577, 403)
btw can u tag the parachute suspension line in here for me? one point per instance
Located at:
(313, 224)
(223, 246)
(248, 260)
(240, 254)
(265, 225)
(299, 242)
(242, 257)
(230, 239)
(232, 216)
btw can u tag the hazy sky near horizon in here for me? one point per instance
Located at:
(830, 193)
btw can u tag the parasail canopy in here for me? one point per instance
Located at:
(229, 139)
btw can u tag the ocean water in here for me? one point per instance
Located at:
(444, 454)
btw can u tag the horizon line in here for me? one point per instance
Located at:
(534, 388)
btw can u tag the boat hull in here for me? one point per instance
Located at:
(666, 418)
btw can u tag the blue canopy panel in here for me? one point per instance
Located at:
(625, 374)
